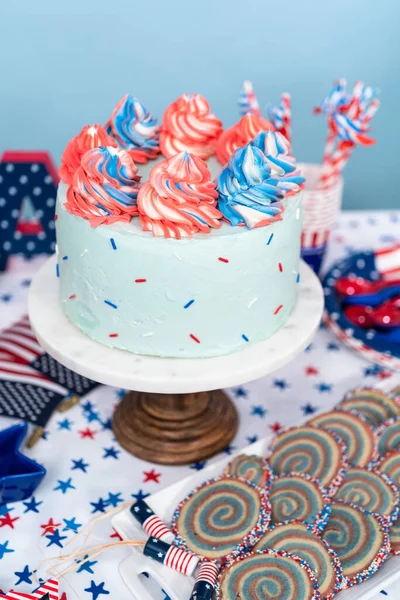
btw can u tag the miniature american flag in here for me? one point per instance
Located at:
(33, 384)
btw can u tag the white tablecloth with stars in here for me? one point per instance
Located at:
(88, 472)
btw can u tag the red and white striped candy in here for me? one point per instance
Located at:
(156, 528)
(208, 571)
(180, 560)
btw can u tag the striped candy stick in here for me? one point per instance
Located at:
(206, 581)
(171, 556)
(248, 102)
(150, 522)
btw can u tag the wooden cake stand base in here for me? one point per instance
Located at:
(175, 429)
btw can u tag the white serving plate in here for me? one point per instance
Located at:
(178, 586)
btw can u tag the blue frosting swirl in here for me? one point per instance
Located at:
(247, 192)
(277, 155)
(133, 127)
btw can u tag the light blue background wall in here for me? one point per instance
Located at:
(65, 64)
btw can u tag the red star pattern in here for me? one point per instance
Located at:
(87, 433)
(311, 371)
(275, 427)
(49, 527)
(151, 476)
(8, 520)
(384, 375)
(116, 535)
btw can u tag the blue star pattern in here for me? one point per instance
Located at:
(114, 499)
(198, 466)
(88, 476)
(252, 439)
(79, 464)
(281, 384)
(65, 424)
(308, 409)
(259, 411)
(323, 387)
(139, 496)
(86, 565)
(24, 576)
(96, 590)
(240, 392)
(4, 549)
(99, 506)
(111, 452)
(64, 486)
(32, 505)
(56, 538)
(71, 525)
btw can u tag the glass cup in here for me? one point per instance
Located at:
(320, 210)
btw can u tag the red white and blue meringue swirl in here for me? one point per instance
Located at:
(240, 134)
(134, 129)
(91, 136)
(277, 153)
(104, 187)
(247, 192)
(189, 126)
(179, 198)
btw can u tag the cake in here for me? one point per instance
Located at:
(163, 250)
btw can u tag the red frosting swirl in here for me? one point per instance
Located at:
(105, 187)
(240, 134)
(91, 136)
(188, 125)
(179, 198)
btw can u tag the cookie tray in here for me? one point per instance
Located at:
(178, 586)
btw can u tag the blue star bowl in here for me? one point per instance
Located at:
(19, 475)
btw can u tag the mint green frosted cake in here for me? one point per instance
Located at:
(162, 260)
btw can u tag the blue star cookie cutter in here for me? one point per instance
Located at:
(19, 475)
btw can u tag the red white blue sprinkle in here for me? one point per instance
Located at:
(270, 239)
(110, 304)
(113, 244)
(72, 297)
(280, 267)
(57, 270)
(246, 339)
(225, 260)
(196, 339)
(298, 278)
(189, 304)
(140, 280)
(278, 309)
(65, 257)
(113, 335)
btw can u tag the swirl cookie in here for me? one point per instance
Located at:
(374, 405)
(389, 436)
(312, 451)
(372, 491)
(271, 574)
(301, 498)
(359, 538)
(298, 539)
(221, 517)
(390, 465)
(251, 467)
(358, 436)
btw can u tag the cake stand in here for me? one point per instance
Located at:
(176, 412)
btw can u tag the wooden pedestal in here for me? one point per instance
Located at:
(175, 429)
